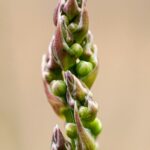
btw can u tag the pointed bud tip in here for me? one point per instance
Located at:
(68, 77)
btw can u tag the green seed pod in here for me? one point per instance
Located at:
(94, 126)
(83, 112)
(90, 78)
(56, 102)
(83, 68)
(53, 75)
(71, 130)
(49, 77)
(93, 60)
(73, 27)
(58, 87)
(89, 111)
(86, 114)
(76, 50)
(65, 20)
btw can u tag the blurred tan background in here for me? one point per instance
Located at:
(122, 32)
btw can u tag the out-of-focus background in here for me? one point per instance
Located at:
(122, 32)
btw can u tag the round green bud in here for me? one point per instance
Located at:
(65, 19)
(58, 87)
(53, 75)
(93, 60)
(71, 130)
(73, 27)
(85, 114)
(76, 50)
(83, 68)
(94, 126)
(49, 77)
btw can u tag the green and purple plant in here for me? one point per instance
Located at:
(69, 69)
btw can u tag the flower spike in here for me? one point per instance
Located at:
(69, 69)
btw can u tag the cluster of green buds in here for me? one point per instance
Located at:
(69, 70)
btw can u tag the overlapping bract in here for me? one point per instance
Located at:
(69, 70)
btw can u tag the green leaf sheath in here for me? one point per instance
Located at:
(69, 69)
